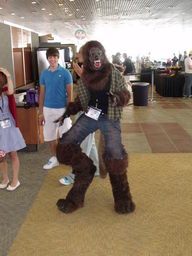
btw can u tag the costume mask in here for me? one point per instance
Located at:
(96, 58)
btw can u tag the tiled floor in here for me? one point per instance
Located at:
(164, 126)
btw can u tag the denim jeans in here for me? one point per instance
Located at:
(110, 129)
(188, 85)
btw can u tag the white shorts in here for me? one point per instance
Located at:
(51, 130)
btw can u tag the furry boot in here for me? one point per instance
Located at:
(84, 171)
(121, 193)
(120, 187)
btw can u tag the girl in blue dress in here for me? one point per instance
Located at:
(11, 139)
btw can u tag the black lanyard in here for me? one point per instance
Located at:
(2, 107)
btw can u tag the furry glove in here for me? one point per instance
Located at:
(120, 98)
(72, 109)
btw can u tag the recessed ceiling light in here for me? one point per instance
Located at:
(60, 4)
(42, 9)
(22, 17)
(70, 14)
(50, 14)
(13, 13)
(77, 10)
(71, 0)
(33, 2)
(1, 8)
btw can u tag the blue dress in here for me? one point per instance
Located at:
(11, 138)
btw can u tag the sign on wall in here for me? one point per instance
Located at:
(80, 34)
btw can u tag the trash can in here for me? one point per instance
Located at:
(140, 93)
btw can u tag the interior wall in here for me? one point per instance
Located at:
(6, 57)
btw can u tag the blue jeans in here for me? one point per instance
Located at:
(110, 129)
(188, 85)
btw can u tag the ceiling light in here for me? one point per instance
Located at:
(13, 13)
(22, 17)
(33, 2)
(50, 14)
(71, 0)
(77, 10)
(70, 14)
(1, 8)
(60, 4)
(42, 9)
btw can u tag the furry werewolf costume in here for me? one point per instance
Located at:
(102, 93)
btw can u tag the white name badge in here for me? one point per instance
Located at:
(5, 123)
(93, 113)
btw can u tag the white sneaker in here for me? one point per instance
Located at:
(67, 180)
(51, 163)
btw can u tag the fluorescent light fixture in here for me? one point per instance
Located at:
(18, 26)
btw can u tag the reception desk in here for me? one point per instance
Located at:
(169, 86)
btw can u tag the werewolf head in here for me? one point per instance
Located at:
(96, 67)
(96, 58)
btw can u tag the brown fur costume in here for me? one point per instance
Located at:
(83, 167)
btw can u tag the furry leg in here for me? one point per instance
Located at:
(84, 171)
(120, 187)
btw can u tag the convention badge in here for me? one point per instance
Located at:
(93, 113)
(5, 123)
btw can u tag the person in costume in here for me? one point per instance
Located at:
(11, 139)
(102, 94)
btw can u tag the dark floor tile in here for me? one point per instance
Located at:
(157, 139)
(180, 138)
(131, 127)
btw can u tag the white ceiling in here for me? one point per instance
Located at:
(64, 17)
